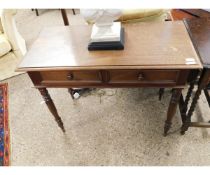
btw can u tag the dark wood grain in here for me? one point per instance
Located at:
(110, 78)
(180, 14)
(203, 82)
(155, 45)
(199, 30)
(199, 13)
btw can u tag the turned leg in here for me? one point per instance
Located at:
(187, 122)
(203, 81)
(51, 107)
(188, 96)
(184, 105)
(193, 78)
(172, 109)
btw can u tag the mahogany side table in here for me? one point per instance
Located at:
(156, 54)
(199, 30)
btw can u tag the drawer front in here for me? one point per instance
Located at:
(143, 76)
(71, 76)
(113, 78)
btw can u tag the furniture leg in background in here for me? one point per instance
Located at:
(65, 17)
(172, 109)
(37, 12)
(161, 92)
(73, 11)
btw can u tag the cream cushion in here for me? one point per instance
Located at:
(8, 64)
(140, 15)
(1, 27)
(11, 32)
(12, 45)
(137, 15)
(5, 46)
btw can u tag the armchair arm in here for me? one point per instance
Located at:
(11, 32)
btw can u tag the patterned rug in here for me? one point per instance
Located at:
(4, 126)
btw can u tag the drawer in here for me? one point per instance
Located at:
(71, 76)
(143, 76)
(112, 78)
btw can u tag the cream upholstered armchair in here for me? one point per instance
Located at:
(140, 15)
(12, 45)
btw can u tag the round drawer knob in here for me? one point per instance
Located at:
(140, 77)
(70, 76)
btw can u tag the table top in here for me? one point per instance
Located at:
(199, 30)
(148, 45)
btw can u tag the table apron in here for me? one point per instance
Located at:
(110, 78)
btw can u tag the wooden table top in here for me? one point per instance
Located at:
(199, 30)
(197, 12)
(148, 45)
